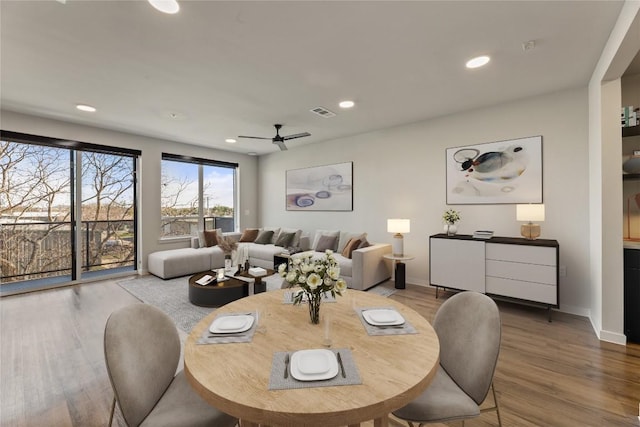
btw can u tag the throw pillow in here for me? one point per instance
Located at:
(320, 233)
(364, 244)
(351, 246)
(345, 236)
(249, 235)
(264, 238)
(296, 237)
(210, 238)
(202, 243)
(274, 236)
(285, 239)
(326, 242)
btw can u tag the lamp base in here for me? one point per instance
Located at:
(530, 231)
(397, 247)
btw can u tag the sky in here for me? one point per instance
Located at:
(219, 179)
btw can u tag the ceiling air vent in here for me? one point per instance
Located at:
(321, 111)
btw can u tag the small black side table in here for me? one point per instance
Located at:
(399, 268)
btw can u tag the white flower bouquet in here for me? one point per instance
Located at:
(315, 278)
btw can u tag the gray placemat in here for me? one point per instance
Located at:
(246, 336)
(405, 328)
(277, 381)
(288, 297)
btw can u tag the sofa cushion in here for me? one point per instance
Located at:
(326, 242)
(249, 235)
(201, 241)
(276, 232)
(210, 238)
(285, 239)
(351, 246)
(345, 236)
(296, 237)
(264, 252)
(364, 244)
(264, 237)
(320, 233)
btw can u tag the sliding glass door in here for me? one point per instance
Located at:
(65, 213)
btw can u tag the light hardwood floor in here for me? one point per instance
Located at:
(52, 370)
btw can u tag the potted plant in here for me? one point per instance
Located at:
(450, 217)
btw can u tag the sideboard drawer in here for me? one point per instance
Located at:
(521, 253)
(522, 290)
(521, 271)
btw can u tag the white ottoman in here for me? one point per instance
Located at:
(178, 262)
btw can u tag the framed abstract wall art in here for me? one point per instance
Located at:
(495, 172)
(320, 188)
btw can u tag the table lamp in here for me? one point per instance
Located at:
(398, 226)
(530, 213)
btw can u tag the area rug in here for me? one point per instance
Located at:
(172, 296)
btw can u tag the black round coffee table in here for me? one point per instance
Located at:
(216, 294)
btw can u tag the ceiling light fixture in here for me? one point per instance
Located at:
(165, 6)
(252, 153)
(230, 140)
(346, 104)
(87, 108)
(478, 61)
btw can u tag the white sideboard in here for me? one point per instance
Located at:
(509, 267)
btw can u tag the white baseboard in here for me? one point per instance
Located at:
(612, 337)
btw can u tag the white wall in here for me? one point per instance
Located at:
(400, 172)
(605, 185)
(149, 173)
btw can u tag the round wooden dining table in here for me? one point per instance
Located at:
(234, 377)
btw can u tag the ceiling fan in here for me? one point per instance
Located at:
(279, 140)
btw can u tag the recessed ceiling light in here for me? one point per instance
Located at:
(230, 140)
(252, 153)
(165, 6)
(87, 108)
(478, 61)
(346, 104)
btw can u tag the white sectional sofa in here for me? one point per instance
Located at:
(184, 261)
(365, 268)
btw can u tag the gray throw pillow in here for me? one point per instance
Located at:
(326, 242)
(285, 239)
(264, 237)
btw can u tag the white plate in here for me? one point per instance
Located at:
(231, 324)
(314, 365)
(383, 316)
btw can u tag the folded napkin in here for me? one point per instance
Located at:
(218, 338)
(405, 328)
(277, 381)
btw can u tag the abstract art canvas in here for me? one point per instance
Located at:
(495, 172)
(321, 188)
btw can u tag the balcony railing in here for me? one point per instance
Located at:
(36, 250)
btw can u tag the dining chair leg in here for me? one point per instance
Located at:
(495, 406)
(113, 408)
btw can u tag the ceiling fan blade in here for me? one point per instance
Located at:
(297, 135)
(253, 137)
(281, 145)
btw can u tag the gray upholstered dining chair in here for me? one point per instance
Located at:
(142, 350)
(469, 330)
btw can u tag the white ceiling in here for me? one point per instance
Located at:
(229, 68)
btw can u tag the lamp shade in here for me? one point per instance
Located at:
(632, 165)
(398, 225)
(530, 213)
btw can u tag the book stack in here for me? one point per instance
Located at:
(482, 234)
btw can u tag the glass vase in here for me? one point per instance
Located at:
(314, 300)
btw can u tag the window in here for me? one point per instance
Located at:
(43, 238)
(196, 194)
